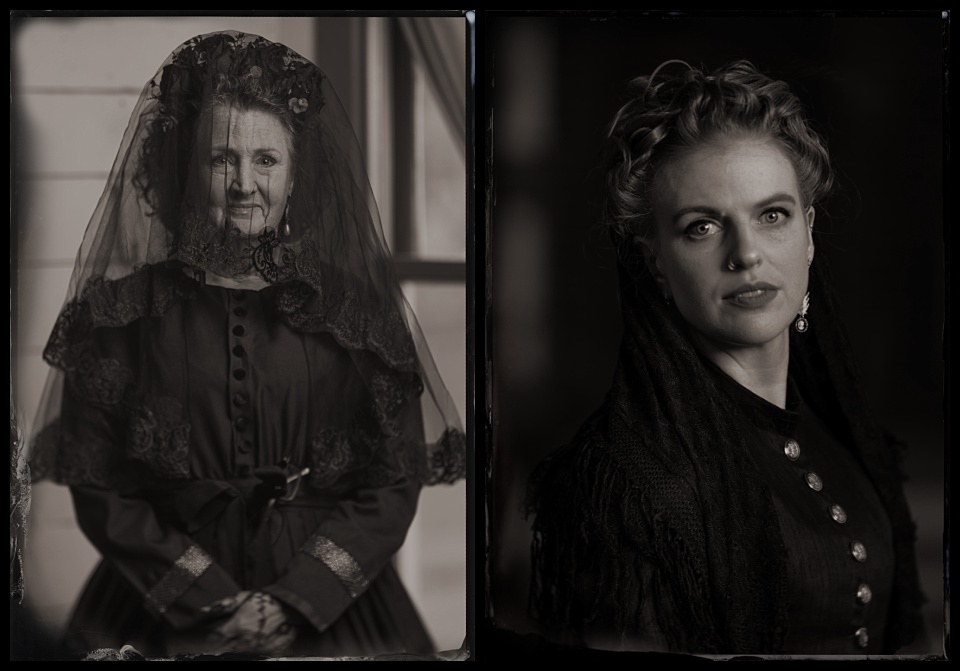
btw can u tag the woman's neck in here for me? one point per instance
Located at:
(763, 370)
(247, 282)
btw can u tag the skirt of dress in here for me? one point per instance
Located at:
(382, 620)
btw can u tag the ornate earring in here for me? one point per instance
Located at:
(802, 324)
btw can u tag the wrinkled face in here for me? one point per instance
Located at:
(247, 173)
(733, 243)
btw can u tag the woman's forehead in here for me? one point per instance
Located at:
(231, 126)
(727, 171)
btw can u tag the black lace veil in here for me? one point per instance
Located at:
(313, 243)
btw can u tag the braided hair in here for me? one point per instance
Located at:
(679, 108)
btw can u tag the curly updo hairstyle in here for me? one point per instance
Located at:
(678, 108)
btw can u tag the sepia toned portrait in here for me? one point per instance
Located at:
(239, 410)
(716, 288)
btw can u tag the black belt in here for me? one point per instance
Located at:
(229, 517)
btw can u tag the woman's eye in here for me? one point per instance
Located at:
(701, 229)
(267, 160)
(773, 216)
(220, 160)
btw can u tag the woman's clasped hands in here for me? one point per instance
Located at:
(252, 622)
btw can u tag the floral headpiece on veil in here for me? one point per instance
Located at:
(278, 67)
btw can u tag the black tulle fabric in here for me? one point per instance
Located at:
(659, 476)
(327, 266)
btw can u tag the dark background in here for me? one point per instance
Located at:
(873, 86)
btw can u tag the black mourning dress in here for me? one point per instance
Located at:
(234, 396)
(838, 537)
(694, 516)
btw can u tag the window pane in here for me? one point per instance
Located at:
(432, 563)
(442, 232)
(441, 309)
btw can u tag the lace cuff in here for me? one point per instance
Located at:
(339, 561)
(186, 569)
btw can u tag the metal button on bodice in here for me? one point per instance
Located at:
(838, 514)
(864, 593)
(239, 373)
(859, 551)
(238, 330)
(863, 638)
(792, 449)
(813, 481)
(245, 446)
(240, 312)
(238, 350)
(240, 423)
(240, 400)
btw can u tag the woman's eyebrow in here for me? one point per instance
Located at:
(699, 209)
(714, 212)
(776, 198)
(232, 149)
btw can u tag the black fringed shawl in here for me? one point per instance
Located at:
(659, 475)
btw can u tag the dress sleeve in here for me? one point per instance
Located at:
(350, 547)
(600, 630)
(596, 581)
(346, 552)
(175, 576)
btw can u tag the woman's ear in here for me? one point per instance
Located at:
(811, 213)
(650, 261)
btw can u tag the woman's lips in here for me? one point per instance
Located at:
(241, 210)
(752, 295)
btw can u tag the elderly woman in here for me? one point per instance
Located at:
(242, 403)
(733, 494)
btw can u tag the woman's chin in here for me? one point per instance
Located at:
(249, 223)
(245, 227)
(743, 336)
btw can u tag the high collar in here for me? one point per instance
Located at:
(758, 410)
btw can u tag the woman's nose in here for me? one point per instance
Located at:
(744, 251)
(243, 182)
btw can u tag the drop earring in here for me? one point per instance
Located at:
(286, 222)
(802, 324)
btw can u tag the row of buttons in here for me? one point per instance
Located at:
(791, 449)
(240, 398)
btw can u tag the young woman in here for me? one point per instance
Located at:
(733, 494)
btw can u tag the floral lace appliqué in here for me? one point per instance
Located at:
(227, 251)
(336, 452)
(160, 439)
(336, 308)
(100, 382)
(60, 456)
